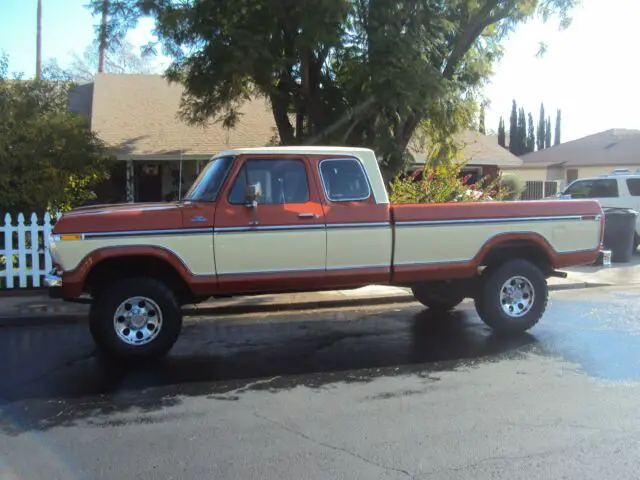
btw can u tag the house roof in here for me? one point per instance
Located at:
(137, 114)
(479, 149)
(611, 148)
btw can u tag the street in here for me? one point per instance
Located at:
(391, 391)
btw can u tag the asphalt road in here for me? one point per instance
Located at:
(392, 392)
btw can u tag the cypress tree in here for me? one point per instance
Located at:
(513, 129)
(540, 138)
(502, 135)
(547, 137)
(531, 137)
(522, 132)
(556, 140)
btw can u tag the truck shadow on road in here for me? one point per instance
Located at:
(222, 360)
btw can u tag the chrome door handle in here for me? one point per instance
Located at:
(307, 215)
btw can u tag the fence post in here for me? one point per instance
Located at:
(8, 250)
(46, 231)
(22, 252)
(35, 252)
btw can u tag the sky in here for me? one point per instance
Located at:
(590, 70)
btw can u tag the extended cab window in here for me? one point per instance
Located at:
(597, 188)
(282, 181)
(633, 184)
(344, 180)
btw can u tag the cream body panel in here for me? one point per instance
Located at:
(437, 243)
(359, 247)
(270, 251)
(195, 250)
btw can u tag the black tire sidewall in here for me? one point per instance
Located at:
(488, 304)
(436, 301)
(105, 305)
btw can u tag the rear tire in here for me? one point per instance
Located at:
(135, 318)
(513, 297)
(435, 297)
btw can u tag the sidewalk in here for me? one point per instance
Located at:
(17, 310)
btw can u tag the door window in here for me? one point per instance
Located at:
(634, 186)
(597, 188)
(282, 181)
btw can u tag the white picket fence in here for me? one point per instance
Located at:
(25, 257)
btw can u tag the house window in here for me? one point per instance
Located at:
(474, 174)
(572, 174)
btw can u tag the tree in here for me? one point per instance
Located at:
(541, 129)
(522, 132)
(39, 40)
(121, 59)
(547, 133)
(336, 71)
(531, 137)
(481, 127)
(49, 158)
(513, 129)
(502, 135)
(556, 140)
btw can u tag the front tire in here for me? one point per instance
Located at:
(135, 318)
(439, 298)
(512, 297)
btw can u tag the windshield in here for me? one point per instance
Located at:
(208, 184)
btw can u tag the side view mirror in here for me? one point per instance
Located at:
(252, 193)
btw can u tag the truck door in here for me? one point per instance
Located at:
(359, 234)
(278, 242)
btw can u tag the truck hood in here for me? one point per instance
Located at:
(121, 217)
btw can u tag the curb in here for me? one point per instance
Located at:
(73, 318)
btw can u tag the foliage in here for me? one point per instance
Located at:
(122, 58)
(349, 72)
(481, 126)
(510, 186)
(443, 181)
(557, 139)
(48, 157)
(502, 135)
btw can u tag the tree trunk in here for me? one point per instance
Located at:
(39, 41)
(103, 36)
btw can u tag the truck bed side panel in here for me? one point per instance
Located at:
(437, 241)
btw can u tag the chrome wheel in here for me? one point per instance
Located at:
(517, 296)
(137, 320)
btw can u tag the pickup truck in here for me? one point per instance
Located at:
(285, 219)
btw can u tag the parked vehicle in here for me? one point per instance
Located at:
(620, 189)
(286, 219)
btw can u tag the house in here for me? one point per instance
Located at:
(594, 155)
(161, 155)
(137, 116)
(484, 157)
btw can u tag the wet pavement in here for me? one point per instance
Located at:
(390, 391)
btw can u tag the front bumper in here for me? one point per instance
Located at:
(53, 282)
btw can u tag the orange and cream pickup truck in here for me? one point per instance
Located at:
(284, 219)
